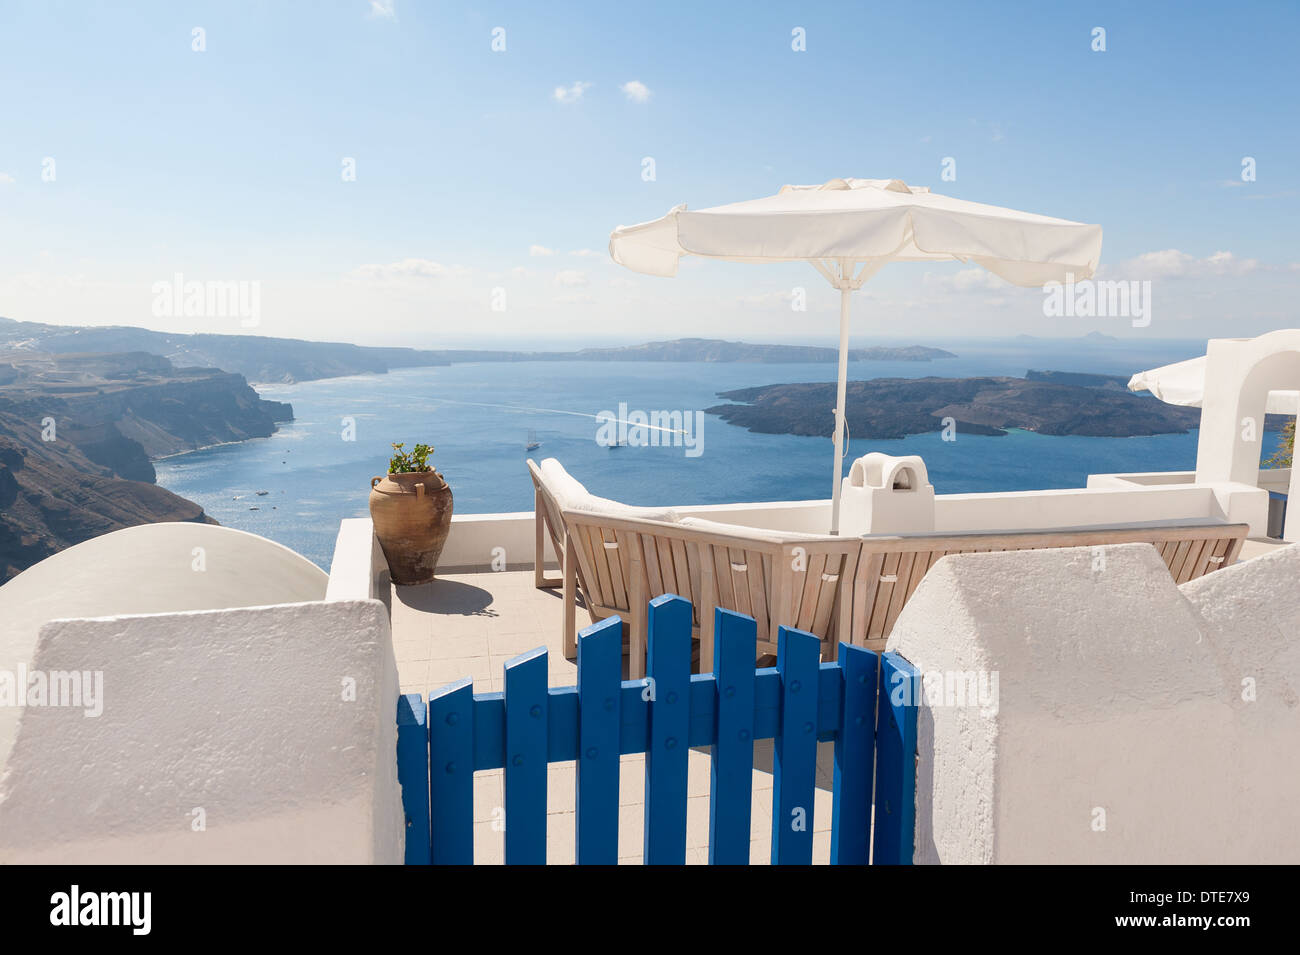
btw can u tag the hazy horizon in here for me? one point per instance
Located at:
(560, 344)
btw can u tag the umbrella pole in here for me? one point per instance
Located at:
(838, 441)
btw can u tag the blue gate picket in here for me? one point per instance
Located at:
(851, 806)
(600, 684)
(794, 763)
(669, 666)
(526, 758)
(731, 775)
(413, 775)
(451, 776)
(900, 689)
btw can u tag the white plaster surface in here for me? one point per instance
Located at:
(153, 568)
(242, 713)
(1252, 612)
(1110, 699)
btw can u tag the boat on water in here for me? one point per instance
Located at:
(533, 444)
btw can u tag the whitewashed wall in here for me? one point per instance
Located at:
(1117, 734)
(252, 735)
(152, 568)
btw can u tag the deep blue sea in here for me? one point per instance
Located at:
(478, 418)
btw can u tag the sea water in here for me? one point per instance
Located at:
(316, 470)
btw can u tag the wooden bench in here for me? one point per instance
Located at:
(780, 580)
(891, 568)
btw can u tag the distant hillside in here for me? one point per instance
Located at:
(262, 359)
(256, 357)
(77, 434)
(897, 407)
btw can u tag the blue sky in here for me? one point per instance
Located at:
(225, 164)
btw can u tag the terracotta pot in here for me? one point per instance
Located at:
(412, 515)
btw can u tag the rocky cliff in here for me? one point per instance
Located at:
(77, 435)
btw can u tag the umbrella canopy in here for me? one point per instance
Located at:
(865, 220)
(848, 229)
(1183, 383)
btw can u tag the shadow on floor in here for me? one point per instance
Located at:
(449, 598)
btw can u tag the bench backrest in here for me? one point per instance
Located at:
(778, 580)
(891, 568)
(549, 509)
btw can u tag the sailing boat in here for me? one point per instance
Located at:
(533, 443)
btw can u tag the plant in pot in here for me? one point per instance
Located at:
(411, 512)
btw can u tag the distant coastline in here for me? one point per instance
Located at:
(265, 360)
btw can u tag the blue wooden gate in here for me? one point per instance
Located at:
(863, 702)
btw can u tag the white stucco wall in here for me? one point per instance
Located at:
(1102, 504)
(1115, 737)
(359, 570)
(153, 568)
(1239, 375)
(277, 722)
(1252, 614)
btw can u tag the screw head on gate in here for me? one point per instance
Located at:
(536, 710)
(451, 719)
(518, 760)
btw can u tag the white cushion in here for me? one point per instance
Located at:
(571, 495)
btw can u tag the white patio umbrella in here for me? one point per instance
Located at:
(848, 229)
(1183, 383)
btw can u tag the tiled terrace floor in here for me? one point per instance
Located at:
(470, 625)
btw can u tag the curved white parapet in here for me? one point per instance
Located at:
(152, 568)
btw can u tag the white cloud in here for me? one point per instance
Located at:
(408, 269)
(383, 9)
(636, 91)
(779, 300)
(965, 280)
(587, 253)
(1174, 263)
(571, 278)
(5, 178)
(536, 250)
(571, 94)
